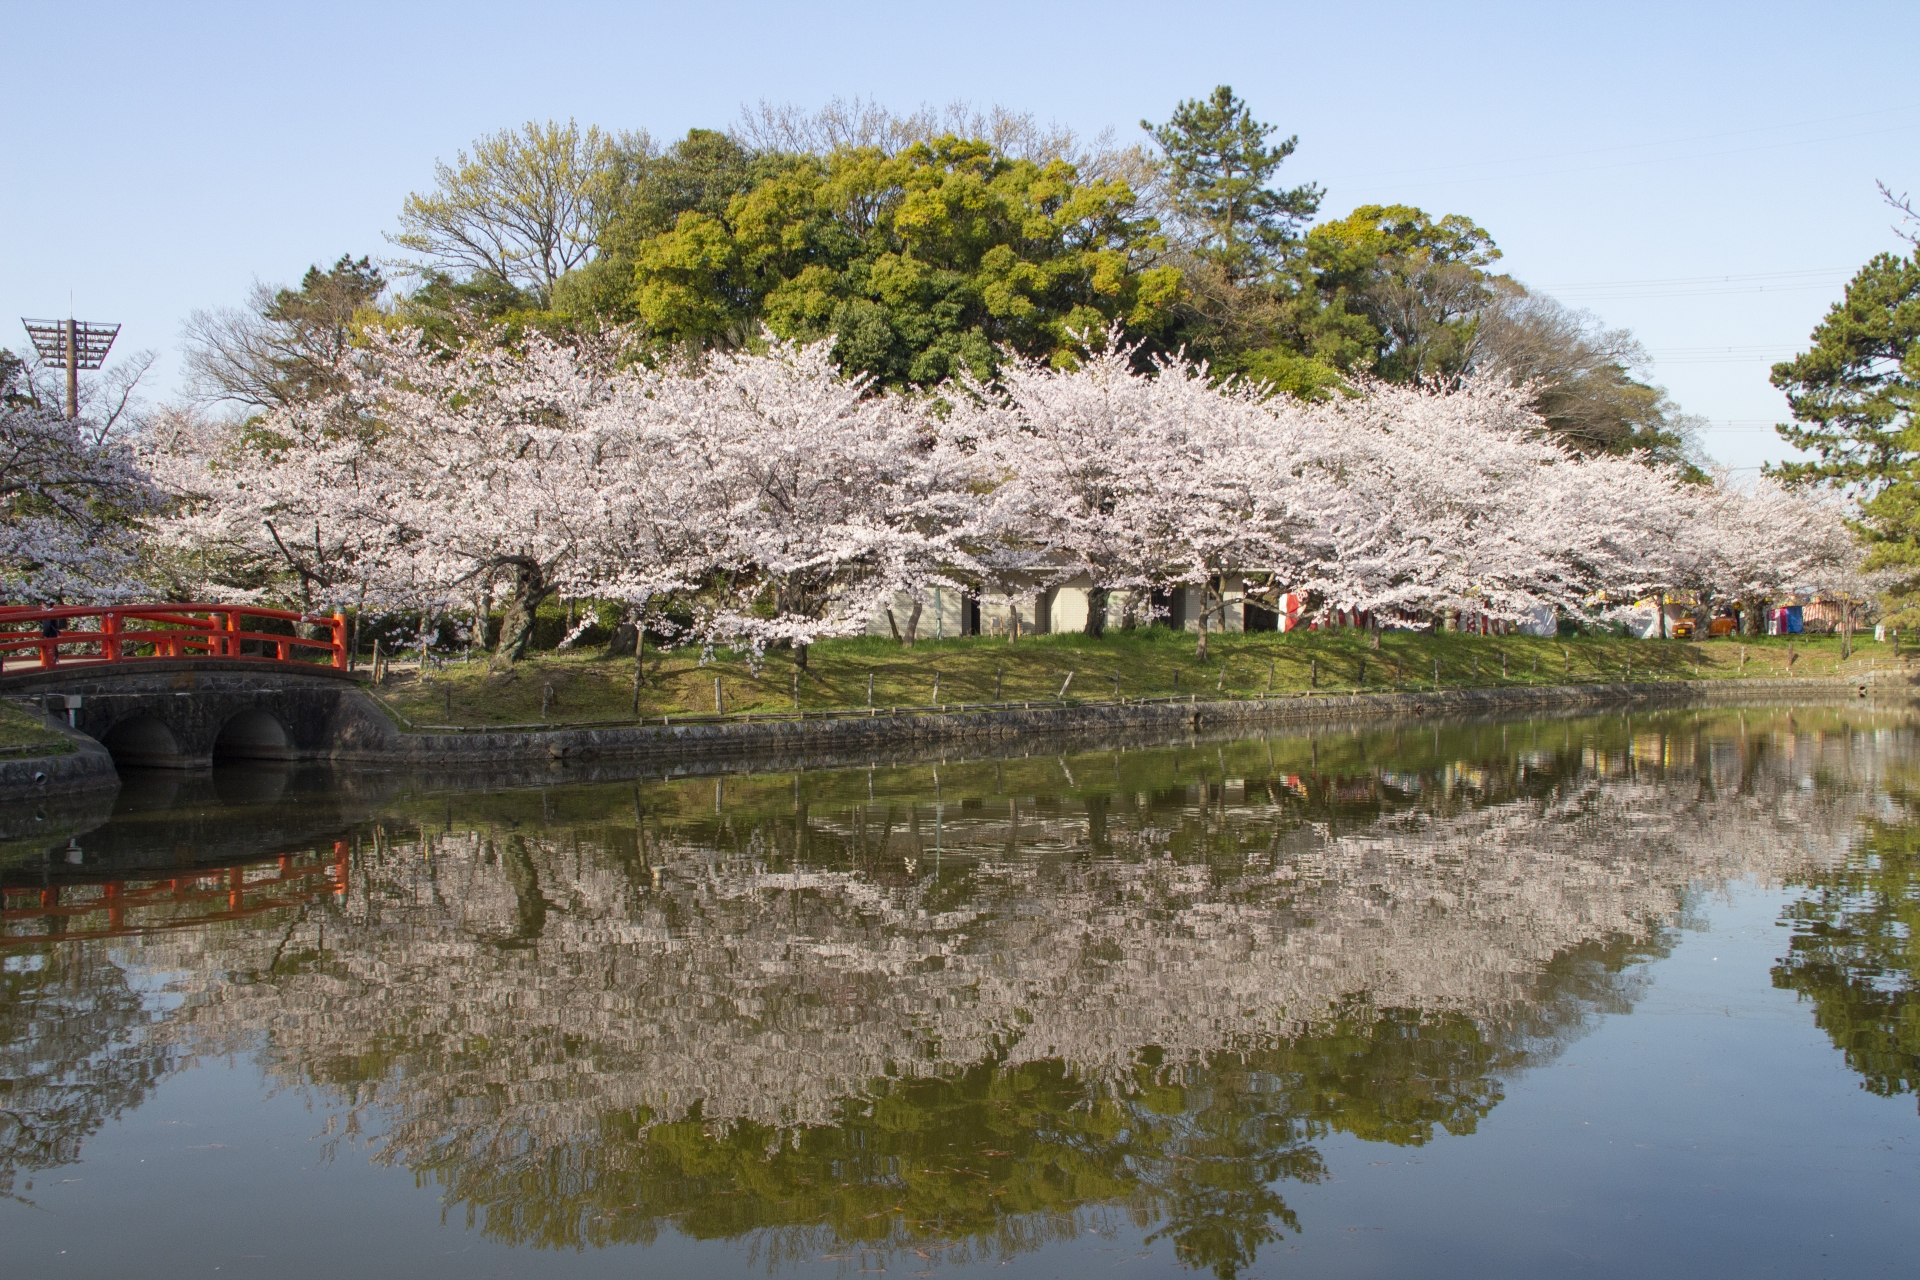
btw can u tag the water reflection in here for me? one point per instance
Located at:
(958, 1009)
(1855, 952)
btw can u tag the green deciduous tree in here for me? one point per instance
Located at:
(1388, 291)
(702, 173)
(1418, 282)
(452, 309)
(919, 263)
(525, 207)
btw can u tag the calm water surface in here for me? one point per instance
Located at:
(1562, 997)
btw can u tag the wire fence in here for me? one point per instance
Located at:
(1062, 702)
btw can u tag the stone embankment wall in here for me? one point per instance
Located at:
(357, 730)
(825, 741)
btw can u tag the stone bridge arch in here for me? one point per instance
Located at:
(253, 734)
(142, 739)
(185, 714)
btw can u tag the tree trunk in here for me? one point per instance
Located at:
(1206, 612)
(1013, 621)
(530, 589)
(639, 664)
(800, 655)
(1096, 613)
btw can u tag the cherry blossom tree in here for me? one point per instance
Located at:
(771, 501)
(801, 501)
(1068, 465)
(1457, 500)
(265, 511)
(1763, 540)
(431, 482)
(72, 494)
(777, 500)
(493, 461)
(1403, 500)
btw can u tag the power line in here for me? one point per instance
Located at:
(1730, 348)
(1702, 155)
(1658, 142)
(1597, 294)
(1713, 279)
(1750, 359)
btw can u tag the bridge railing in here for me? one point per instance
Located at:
(40, 638)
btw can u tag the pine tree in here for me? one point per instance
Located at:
(1218, 165)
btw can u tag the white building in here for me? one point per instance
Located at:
(944, 612)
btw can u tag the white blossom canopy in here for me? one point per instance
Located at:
(770, 499)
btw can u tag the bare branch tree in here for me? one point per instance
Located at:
(861, 122)
(111, 400)
(286, 346)
(108, 400)
(1581, 374)
(1903, 203)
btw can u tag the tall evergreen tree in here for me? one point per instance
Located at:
(1219, 166)
(1852, 393)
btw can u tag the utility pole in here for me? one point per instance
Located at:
(74, 344)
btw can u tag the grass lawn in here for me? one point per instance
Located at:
(22, 734)
(1150, 662)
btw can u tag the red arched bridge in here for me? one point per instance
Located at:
(70, 635)
(177, 685)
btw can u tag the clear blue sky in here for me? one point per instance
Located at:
(1700, 173)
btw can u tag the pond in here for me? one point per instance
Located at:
(1624, 994)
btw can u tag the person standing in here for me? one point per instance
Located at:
(49, 630)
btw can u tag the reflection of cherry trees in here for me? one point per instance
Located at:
(977, 1014)
(74, 1054)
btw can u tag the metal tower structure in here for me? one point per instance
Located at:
(76, 344)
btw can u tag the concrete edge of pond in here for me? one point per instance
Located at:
(86, 767)
(377, 739)
(364, 733)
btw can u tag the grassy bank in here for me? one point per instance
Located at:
(24, 734)
(1151, 662)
